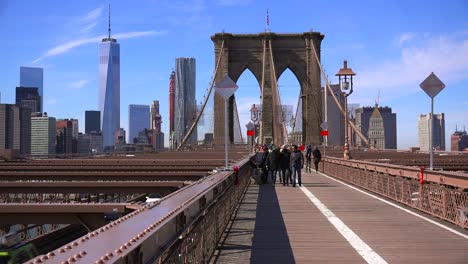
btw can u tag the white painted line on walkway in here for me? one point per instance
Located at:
(356, 242)
(399, 207)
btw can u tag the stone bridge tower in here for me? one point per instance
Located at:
(252, 51)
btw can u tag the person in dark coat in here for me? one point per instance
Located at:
(317, 157)
(258, 161)
(297, 163)
(274, 163)
(265, 164)
(285, 165)
(308, 156)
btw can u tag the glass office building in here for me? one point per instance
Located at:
(185, 108)
(92, 121)
(33, 77)
(109, 88)
(138, 120)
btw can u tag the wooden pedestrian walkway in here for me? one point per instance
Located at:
(276, 224)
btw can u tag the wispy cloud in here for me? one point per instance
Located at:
(68, 46)
(92, 15)
(405, 37)
(78, 84)
(89, 21)
(445, 55)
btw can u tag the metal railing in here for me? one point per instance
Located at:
(183, 227)
(443, 194)
(198, 241)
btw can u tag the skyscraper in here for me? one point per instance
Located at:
(171, 102)
(376, 130)
(138, 120)
(25, 130)
(64, 141)
(156, 121)
(185, 107)
(43, 131)
(438, 132)
(33, 77)
(362, 120)
(109, 87)
(335, 119)
(92, 121)
(9, 126)
(28, 97)
(459, 140)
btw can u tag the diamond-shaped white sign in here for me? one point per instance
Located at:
(432, 85)
(324, 125)
(226, 87)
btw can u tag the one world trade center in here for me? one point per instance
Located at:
(109, 87)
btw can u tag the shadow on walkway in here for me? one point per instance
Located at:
(270, 242)
(257, 233)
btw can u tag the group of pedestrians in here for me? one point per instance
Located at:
(283, 163)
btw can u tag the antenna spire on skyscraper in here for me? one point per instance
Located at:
(267, 21)
(109, 22)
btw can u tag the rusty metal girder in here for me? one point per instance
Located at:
(90, 186)
(102, 176)
(455, 179)
(106, 167)
(89, 215)
(18, 208)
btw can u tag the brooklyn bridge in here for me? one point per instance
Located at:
(363, 205)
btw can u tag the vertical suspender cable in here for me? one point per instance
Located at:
(277, 98)
(263, 84)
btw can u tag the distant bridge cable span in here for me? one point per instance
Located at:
(194, 124)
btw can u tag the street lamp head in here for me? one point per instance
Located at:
(254, 113)
(292, 122)
(345, 77)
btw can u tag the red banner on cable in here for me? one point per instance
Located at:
(324, 133)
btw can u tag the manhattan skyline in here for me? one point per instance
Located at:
(391, 46)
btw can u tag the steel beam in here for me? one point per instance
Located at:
(91, 186)
(89, 215)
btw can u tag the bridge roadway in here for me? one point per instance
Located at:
(326, 221)
(323, 221)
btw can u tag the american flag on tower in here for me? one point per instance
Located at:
(268, 22)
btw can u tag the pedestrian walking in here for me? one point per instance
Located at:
(308, 158)
(317, 157)
(297, 163)
(274, 162)
(258, 162)
(285, 166)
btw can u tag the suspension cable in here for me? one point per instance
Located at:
(194, 124)
(263, 85)
(277, 97)
(297, 111)
(238, 121)
(358, 132)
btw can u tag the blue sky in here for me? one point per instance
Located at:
(391, 45)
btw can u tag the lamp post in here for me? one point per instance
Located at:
(345, 79)
(292, 124)
(254, 118)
